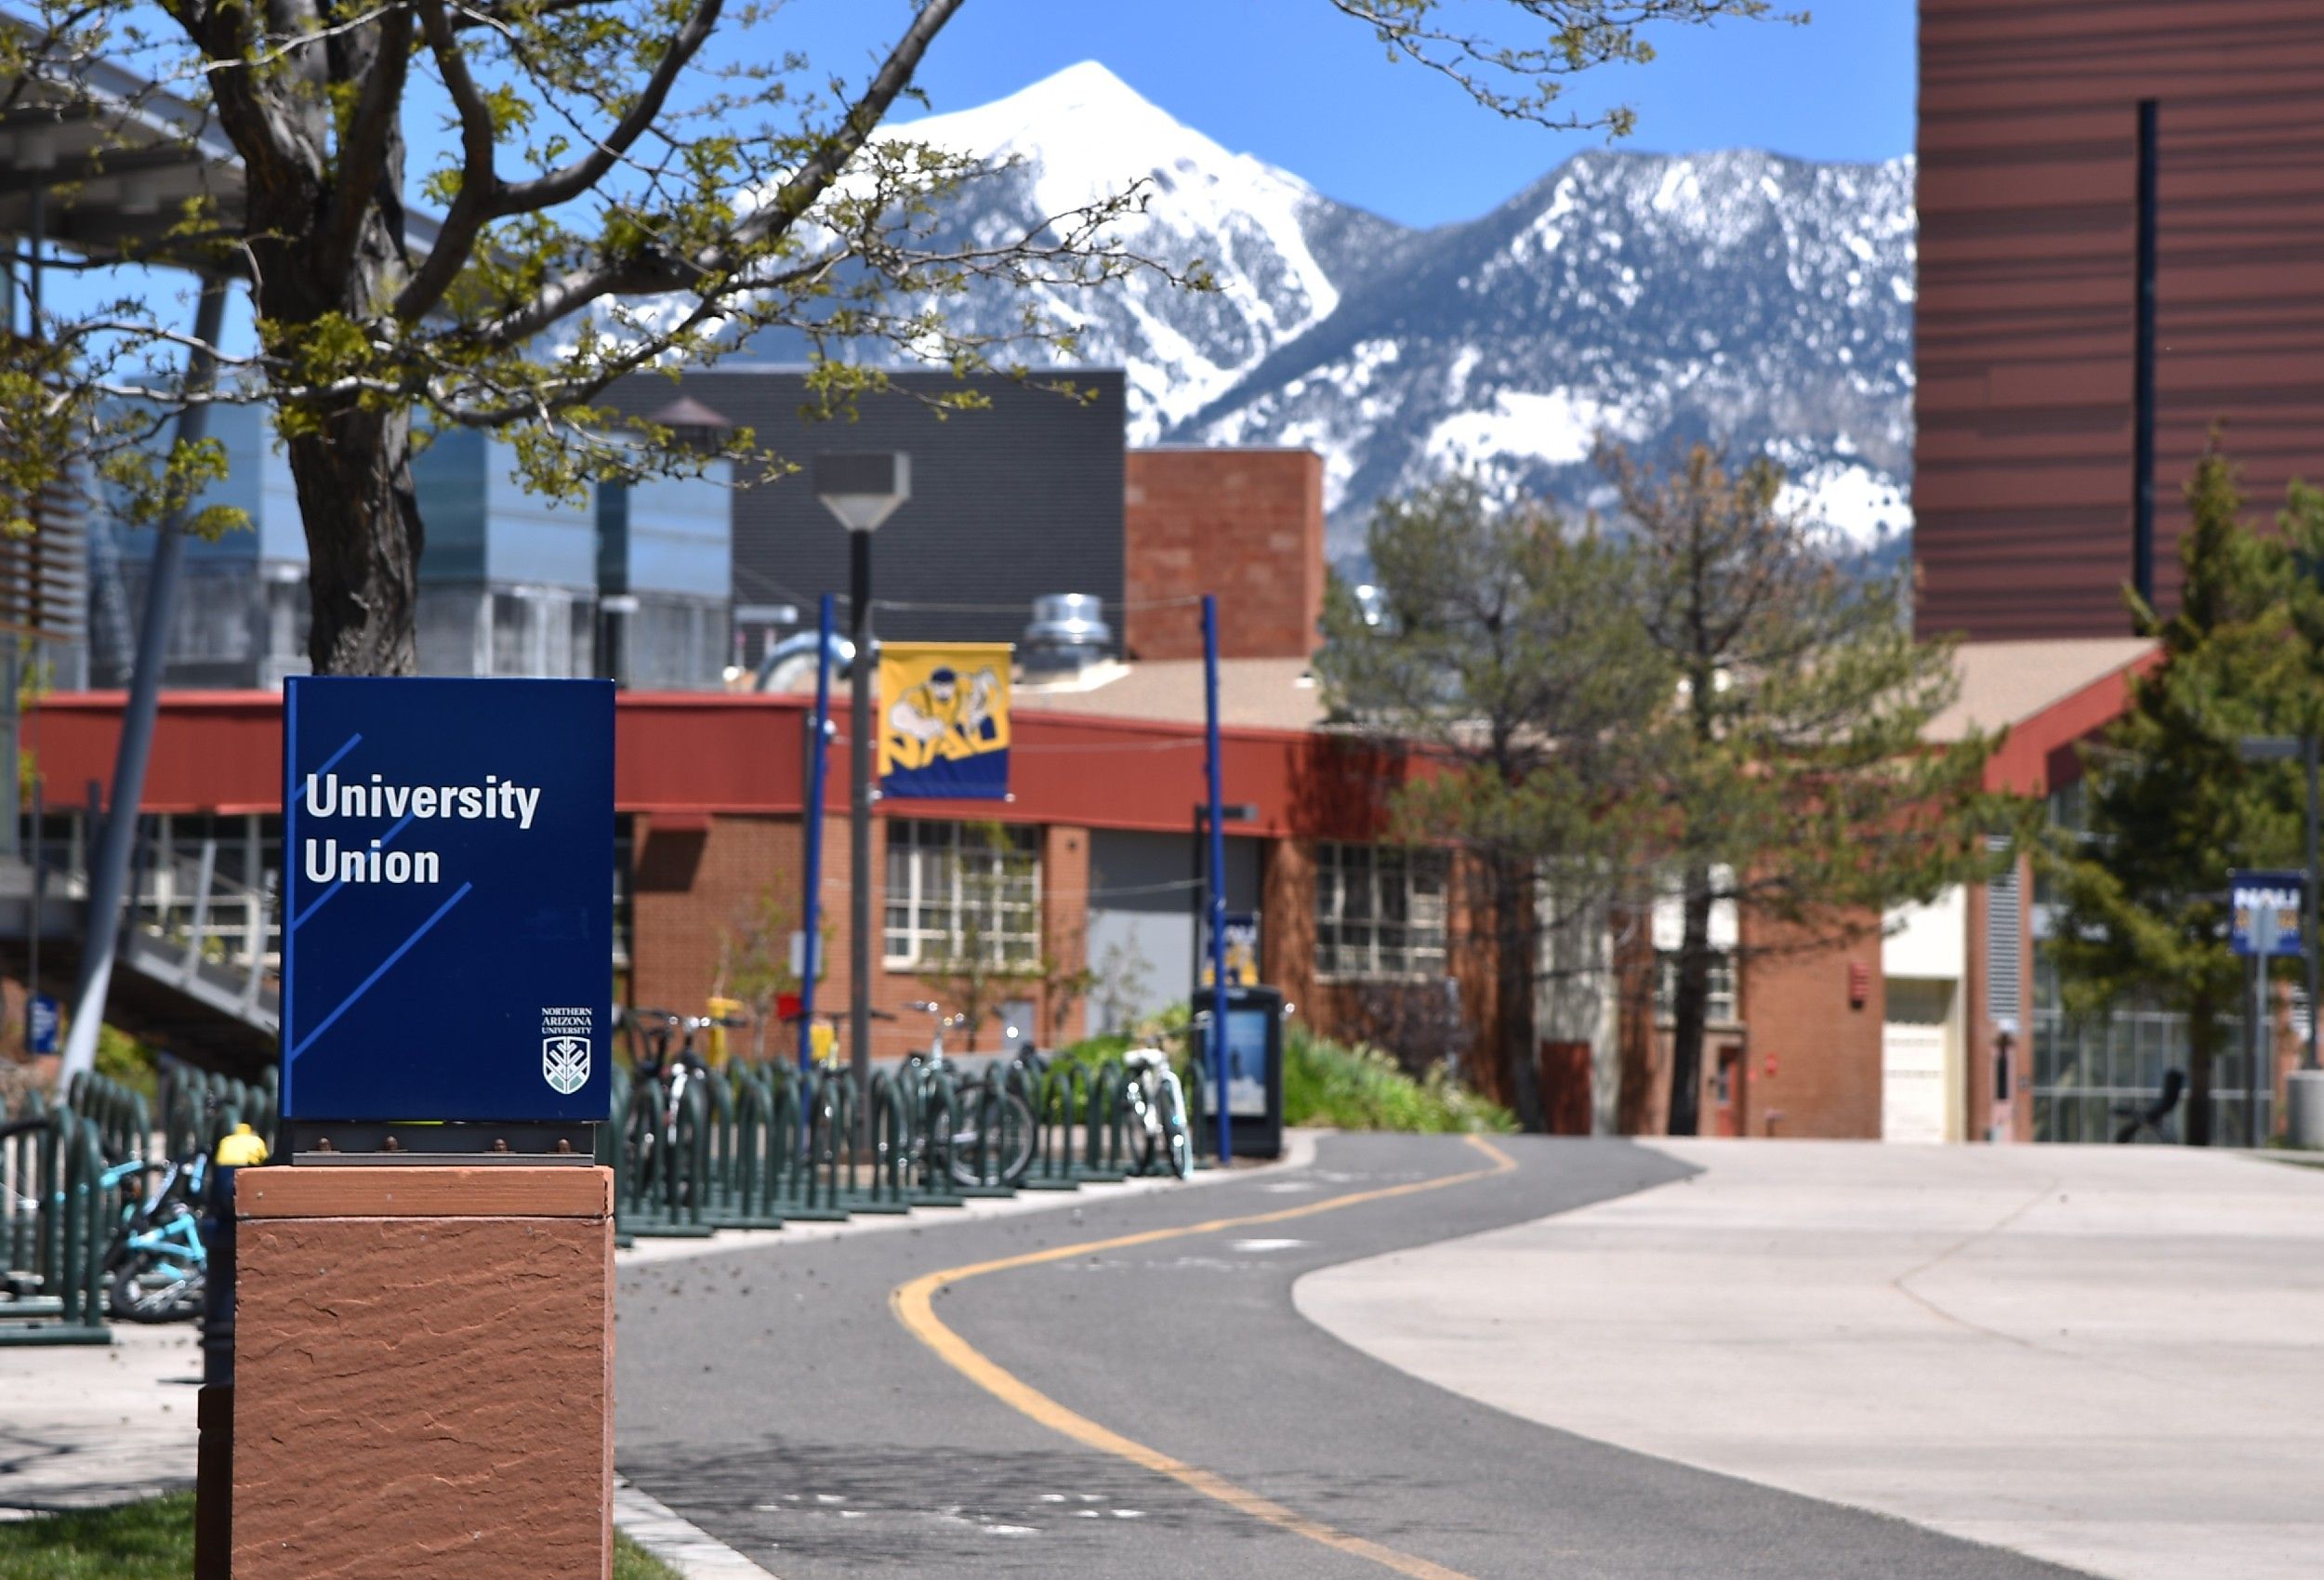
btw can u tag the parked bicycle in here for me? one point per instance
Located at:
(1158, 1112)
(983, 1135)
(663, 1055)
(156, 1269)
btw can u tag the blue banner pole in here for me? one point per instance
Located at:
(1218, 875)
(817, 758)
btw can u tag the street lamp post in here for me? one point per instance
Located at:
(862, 490)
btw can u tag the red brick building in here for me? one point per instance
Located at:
(1902, 1029)
(1898, 1036)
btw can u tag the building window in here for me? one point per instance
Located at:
(1719, 1004)
(1379, 911)
(962, 890)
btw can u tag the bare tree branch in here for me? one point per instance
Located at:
(563, 185)
(455, 239)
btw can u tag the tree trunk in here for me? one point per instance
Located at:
(316, 265)
(364, 540)
(1513, 935)
(2202, 1034)
(1690, 1006)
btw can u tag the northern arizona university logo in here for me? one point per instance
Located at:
(565, 1048)
(565, 1063)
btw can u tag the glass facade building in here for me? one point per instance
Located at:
(511, 583)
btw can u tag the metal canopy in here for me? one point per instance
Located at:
(105, 166)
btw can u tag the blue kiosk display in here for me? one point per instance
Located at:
(448, 917)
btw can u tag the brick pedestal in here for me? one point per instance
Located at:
(424, 1373)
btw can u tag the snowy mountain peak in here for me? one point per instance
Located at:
(1087, 128)
(1736, 296)
(1083, 136)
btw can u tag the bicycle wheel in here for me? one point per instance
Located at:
(992, 1142)
(1144, 1134)
(1181, 1141)
(152, 1288)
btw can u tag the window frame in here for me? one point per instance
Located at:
(1419, 915)
(931, 921)
(1723, 1003)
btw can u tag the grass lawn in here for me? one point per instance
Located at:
(153, 1540)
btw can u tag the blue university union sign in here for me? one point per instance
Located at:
(447, 937)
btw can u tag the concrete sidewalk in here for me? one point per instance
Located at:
(82, 1425)
(2106, 1356)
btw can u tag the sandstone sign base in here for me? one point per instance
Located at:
(423, 1373)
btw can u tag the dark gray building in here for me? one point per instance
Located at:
(1010, 503)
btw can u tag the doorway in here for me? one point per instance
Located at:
(1729, 1077)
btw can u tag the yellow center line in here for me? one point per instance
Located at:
(914, 1304)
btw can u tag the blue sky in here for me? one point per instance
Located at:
(1301, 86)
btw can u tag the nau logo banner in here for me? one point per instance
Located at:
(944, 719)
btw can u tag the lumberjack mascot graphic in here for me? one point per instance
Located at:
(942, 717)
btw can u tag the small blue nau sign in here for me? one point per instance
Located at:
(447, 949)
(40, 1024)
(2266, 911)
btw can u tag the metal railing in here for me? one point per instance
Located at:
(199, 913)
(757, 1144)
(55, 1220)
(195, 919)
(64, 1193)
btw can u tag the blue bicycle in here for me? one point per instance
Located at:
(156, 1269)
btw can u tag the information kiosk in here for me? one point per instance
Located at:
(1254, 1059)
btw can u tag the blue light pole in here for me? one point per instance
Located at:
(1218, 875)
(818, 753)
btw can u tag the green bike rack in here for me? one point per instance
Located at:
(57, 1161)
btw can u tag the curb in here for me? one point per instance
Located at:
(677, 1541)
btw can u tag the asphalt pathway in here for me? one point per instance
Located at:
(1121, 1397)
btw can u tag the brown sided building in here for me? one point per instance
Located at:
(2029, 205)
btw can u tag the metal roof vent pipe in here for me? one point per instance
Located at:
(1068, 635)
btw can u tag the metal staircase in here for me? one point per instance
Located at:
(199, 962)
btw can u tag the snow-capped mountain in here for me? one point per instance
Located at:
(1654, 298)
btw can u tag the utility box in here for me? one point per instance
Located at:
(1254, 1083)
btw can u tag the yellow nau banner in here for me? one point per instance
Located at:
(944, 719)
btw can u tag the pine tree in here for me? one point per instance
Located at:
(1797, 785)
(2169, 805)
(1509, 656)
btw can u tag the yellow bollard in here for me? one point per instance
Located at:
(716, 1049)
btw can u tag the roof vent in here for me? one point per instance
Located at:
(692, 425)
(1068, 634)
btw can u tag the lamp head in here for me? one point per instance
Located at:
(863, 488)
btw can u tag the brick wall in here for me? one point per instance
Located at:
(1827, 1050)
(690, 886)
(1064, 928)
(693, 885)
(1287, 924)
(1245, 525)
